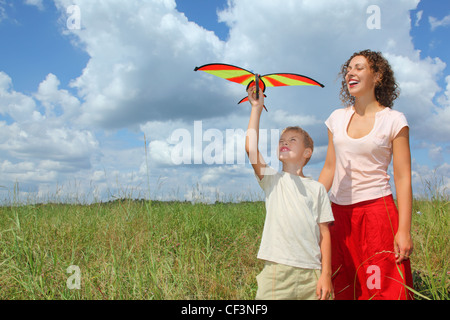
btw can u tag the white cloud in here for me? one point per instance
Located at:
(418, 17)
(140, 80)
(15, 104)
(418, 81)
(37, 3)
(3, 14)
(57, 103)
(440, 122)
(36, 141)
(41, 147)
(436, 154)
(436, 23)
(143, 54)
(431, 182)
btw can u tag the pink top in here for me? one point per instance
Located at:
(361, 164)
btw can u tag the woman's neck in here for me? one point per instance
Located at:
(367, 105)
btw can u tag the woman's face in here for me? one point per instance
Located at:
(360, 78)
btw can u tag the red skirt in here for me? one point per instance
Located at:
(363, 258)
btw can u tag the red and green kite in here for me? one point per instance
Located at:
(247, 78)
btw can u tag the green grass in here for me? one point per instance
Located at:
(169, 250)
(430, 231)
(131, 250)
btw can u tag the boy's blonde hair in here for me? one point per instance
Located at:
(307, 140)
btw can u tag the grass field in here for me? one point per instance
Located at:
(128, 249)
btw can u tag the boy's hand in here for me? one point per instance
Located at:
(252, 97)
(324, 289)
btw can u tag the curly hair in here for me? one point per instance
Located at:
(386, 89)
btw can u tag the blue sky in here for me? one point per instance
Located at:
(431, 41)
(36, 46)
(75, 105)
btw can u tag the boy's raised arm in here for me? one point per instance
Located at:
(252, 138)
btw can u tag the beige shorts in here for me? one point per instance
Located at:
(281, 282)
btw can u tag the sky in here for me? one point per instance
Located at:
(99, 99)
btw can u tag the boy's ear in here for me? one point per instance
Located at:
(307, 153)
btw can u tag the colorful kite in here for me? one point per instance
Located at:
(247, 78)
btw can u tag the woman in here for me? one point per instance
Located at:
(371, 240)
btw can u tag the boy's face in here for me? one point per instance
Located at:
(291, 148)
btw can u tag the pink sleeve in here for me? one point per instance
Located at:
(331, 120)
(328, 124)
(399, 123)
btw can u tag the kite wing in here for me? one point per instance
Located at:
(247, 78)
(234, 74)
(288, 79)
(228, 72)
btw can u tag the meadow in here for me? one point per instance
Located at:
(140, 249)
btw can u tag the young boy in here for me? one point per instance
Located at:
(295, 244)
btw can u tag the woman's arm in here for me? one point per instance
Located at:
(402, 178)
(327, 173)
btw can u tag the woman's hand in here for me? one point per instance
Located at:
(403, 246)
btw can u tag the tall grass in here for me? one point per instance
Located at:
(130, 249)
(430, 231)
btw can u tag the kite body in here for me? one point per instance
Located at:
(247, 78)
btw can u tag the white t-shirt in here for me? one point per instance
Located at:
(294, 207)
(361, 164)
